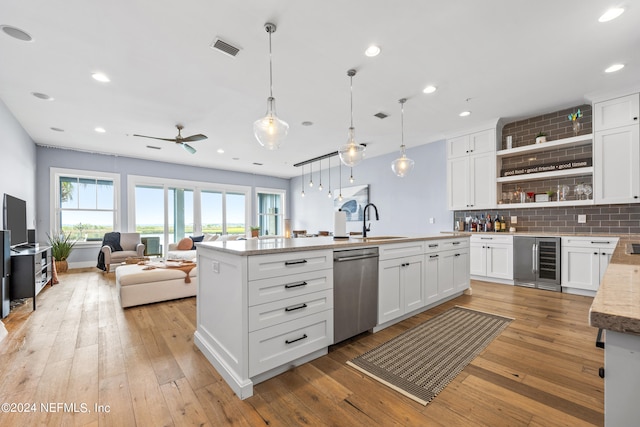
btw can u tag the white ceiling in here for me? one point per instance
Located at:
(499, 59)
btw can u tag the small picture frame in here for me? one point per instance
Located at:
(542, 197)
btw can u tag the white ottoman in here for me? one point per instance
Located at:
(137, 286)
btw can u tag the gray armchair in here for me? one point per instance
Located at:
(131, 247)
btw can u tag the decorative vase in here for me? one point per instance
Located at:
(255, 233)
(62, 266)
(576, 127)
(541, 139)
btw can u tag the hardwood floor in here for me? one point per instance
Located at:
(139, 366)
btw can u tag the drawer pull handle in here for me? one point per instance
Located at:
(486, 238)
(296, 308)
(295, 285)
(455, 243)
(433, 256)
(297, 339)
(457, 255)
(434, 245)
(300, 261)
(600, 243)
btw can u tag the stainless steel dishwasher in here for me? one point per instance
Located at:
(355, 292)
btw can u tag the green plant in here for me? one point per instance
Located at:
(540, 134)
(255, 227)
(61, 245)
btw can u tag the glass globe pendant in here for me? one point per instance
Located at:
(402, 165)
(351, 153)
(270, 130)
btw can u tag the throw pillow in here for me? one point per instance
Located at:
(196, 239)
(185, 244)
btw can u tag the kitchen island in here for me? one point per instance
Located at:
(266, 305)
(616, 309)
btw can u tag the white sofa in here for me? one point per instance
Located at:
(190, 254)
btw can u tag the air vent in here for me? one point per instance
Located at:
(224, 47)
(257, 164)
(381, 115)
(154, 147)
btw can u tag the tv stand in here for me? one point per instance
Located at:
(31, 270)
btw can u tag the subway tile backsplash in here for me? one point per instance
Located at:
(613, 219)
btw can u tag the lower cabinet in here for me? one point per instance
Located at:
(584, 261)
(400, 288)
(491, 257)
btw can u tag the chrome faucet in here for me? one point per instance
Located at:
(364, 219)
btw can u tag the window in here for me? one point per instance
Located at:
(84, 203)
(270, 205)
(170, 209)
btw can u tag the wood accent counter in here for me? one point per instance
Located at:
(616, 306)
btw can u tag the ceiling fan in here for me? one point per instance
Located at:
(180, 140)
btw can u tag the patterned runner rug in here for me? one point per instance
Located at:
(420, 362)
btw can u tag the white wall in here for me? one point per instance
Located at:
(404, 204)
(17, 163)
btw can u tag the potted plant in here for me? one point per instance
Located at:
(61, 246)
(255, 231)
(550, 194)
(541, 137)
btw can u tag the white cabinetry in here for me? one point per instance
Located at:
(446, 268)
(471, 169)
(491, 257)
(400, 280)
(616, 155)
(584, 261)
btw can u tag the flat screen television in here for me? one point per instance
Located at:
(15, 219)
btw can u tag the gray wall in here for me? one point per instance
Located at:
(404, 204)
(52, 157)
(17, 163)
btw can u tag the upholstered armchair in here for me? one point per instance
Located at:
(131, 247)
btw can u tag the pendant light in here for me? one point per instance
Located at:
(351, 179)
(351, 153)
(329, 195)
(310, 175)
(270, 130)
(340, 181)
(402, 165)
(320, 186)
(302, 182)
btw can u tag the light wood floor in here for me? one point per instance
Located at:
(81, 348)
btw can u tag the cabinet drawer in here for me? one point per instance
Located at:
(431, 246)
(277, 288)
(448, 244)
(263, 266)
(492, 238)
(272, 313)
(589, 242)
(399, 250)
(277, 345)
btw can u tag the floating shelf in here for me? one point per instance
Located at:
(546, 175)
(535, 205)
(549, 145)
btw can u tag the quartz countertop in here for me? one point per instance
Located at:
(616, 306)
(280, 245)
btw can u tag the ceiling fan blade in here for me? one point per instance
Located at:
(194, 138)
(188, 148)
(154, 137)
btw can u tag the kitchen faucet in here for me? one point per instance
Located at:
(364, 219)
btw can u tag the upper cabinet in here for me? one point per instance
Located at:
(617, 150)
(616, 113)
(471, 171)
(474, 143)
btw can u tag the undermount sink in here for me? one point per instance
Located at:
(374, 238)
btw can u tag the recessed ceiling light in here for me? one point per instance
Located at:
(429, 89)
(465, 113)
(44, 96)
(101, 77)
(372, 50)
(100, 130)
(57, 129)
(220, 151)
(614, 68)
(611, 14)
(16, 33)
(235, 158)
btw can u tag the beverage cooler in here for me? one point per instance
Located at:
(536, 262)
